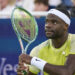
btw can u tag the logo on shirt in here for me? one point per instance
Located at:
(37, 60)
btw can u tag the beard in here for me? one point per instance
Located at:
(53, 35)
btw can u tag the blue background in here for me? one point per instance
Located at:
(10, 48)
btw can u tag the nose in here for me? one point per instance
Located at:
(48, 25)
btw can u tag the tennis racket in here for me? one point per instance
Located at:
(25, 26)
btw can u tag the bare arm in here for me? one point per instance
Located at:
(67, 69)
(30, 73)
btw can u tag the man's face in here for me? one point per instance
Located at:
(4, 3)
(73, 1)
(54, 27)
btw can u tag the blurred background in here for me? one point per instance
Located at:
(9, 45)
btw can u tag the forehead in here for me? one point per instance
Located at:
(53, 17)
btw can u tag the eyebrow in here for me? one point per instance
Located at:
(52, 19)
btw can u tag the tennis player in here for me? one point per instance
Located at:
(56, 56)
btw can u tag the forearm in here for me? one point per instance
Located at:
(49, 68)
(67, 69)
(30, 73)
(60, 70)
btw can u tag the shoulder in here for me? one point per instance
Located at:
(72, 36)
(35, 50)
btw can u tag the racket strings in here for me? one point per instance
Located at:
(25, 25)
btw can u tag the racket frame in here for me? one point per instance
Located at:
(24, 50)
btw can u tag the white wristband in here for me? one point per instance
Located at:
(37, 62)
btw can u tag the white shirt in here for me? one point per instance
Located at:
(54, 2)
(6, 12)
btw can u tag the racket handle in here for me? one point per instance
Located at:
(25, 73)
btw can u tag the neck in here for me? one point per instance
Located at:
(57, 43)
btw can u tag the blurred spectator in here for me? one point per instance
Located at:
(73, 9)
(62, 5)
(41, 5)
(54, 2)
(19, 3)
(70, 8)
(73, 2)
(6, 6)
(67, 2)
(28, 5)
(35, 5)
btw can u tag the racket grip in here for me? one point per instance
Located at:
(25, 73)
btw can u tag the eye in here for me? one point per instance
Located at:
(47, 21)
(54, 22)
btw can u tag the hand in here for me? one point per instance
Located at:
(22, 68)
(24, 58)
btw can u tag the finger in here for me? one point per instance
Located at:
(21, 63)
(20, 60)
(20, 73)
(19, 70)
(22, 67)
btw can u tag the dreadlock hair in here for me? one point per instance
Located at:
(65, 11)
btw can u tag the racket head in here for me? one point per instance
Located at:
(24, 24)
